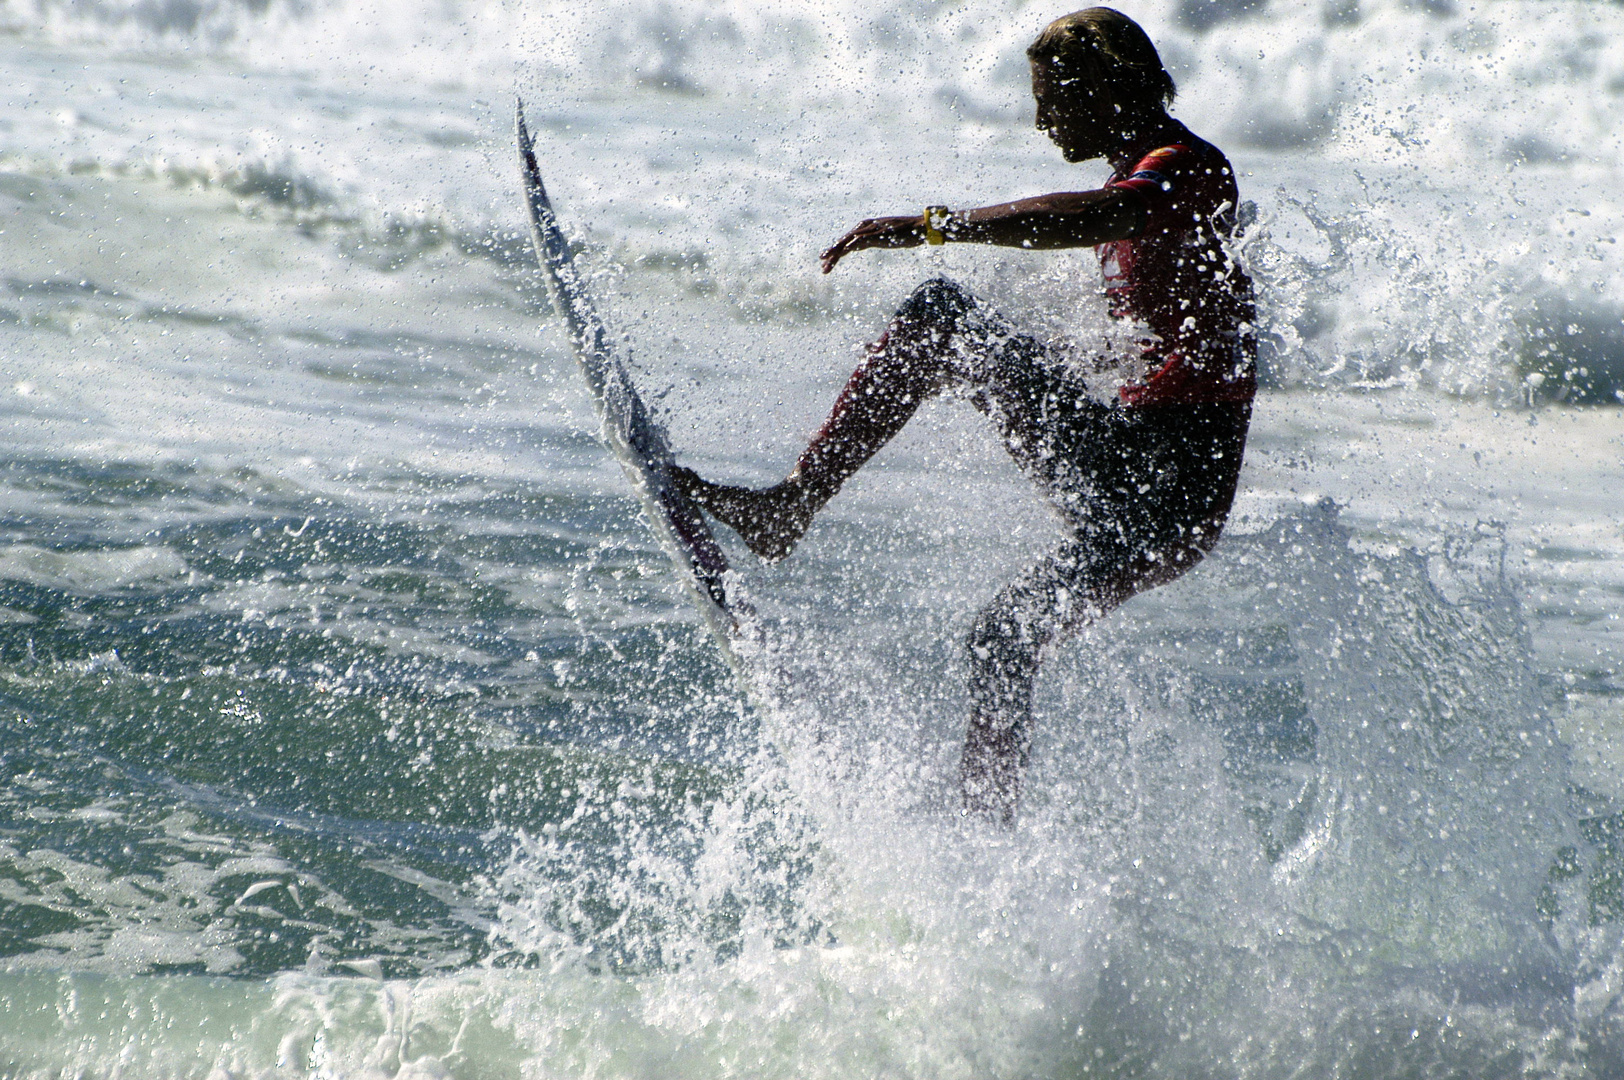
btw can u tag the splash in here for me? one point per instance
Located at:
(1321, 827)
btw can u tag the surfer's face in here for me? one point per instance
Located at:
(1078, 116)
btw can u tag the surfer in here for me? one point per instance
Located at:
(1145, 480)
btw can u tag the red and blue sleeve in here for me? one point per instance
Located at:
(1157, 179)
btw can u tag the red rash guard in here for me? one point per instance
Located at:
(1175, 278)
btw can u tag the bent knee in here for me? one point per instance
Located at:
(936, 300)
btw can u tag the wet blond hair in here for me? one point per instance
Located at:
(1109, 50)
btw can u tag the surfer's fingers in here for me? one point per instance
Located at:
(886, 232)
(840, 249)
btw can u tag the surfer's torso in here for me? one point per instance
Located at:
(1175, 279)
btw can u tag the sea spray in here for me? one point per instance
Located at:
(1333, 801)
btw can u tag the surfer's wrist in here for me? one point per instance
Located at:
(936, 221)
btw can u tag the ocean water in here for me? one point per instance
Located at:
(352, 724)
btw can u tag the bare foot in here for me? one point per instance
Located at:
(770, 521)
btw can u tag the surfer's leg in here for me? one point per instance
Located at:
(1050, 428)
(911, 362)
(1156, 491)
(1059, 594)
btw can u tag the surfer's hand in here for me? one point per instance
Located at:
(885, 232)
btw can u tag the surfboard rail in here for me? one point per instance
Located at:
(625, 424)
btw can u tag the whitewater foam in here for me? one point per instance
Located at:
(1386, 259)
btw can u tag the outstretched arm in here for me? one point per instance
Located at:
(1064, 219)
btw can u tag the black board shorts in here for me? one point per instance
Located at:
(1128, 481)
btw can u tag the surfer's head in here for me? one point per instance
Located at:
(1097, 78)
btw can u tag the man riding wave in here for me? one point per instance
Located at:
(1144, 481)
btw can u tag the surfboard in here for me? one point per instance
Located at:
(626, 425)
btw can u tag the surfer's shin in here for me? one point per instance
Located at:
(877, 402)
(995, 752)
(903, 369)
(1003, 654)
